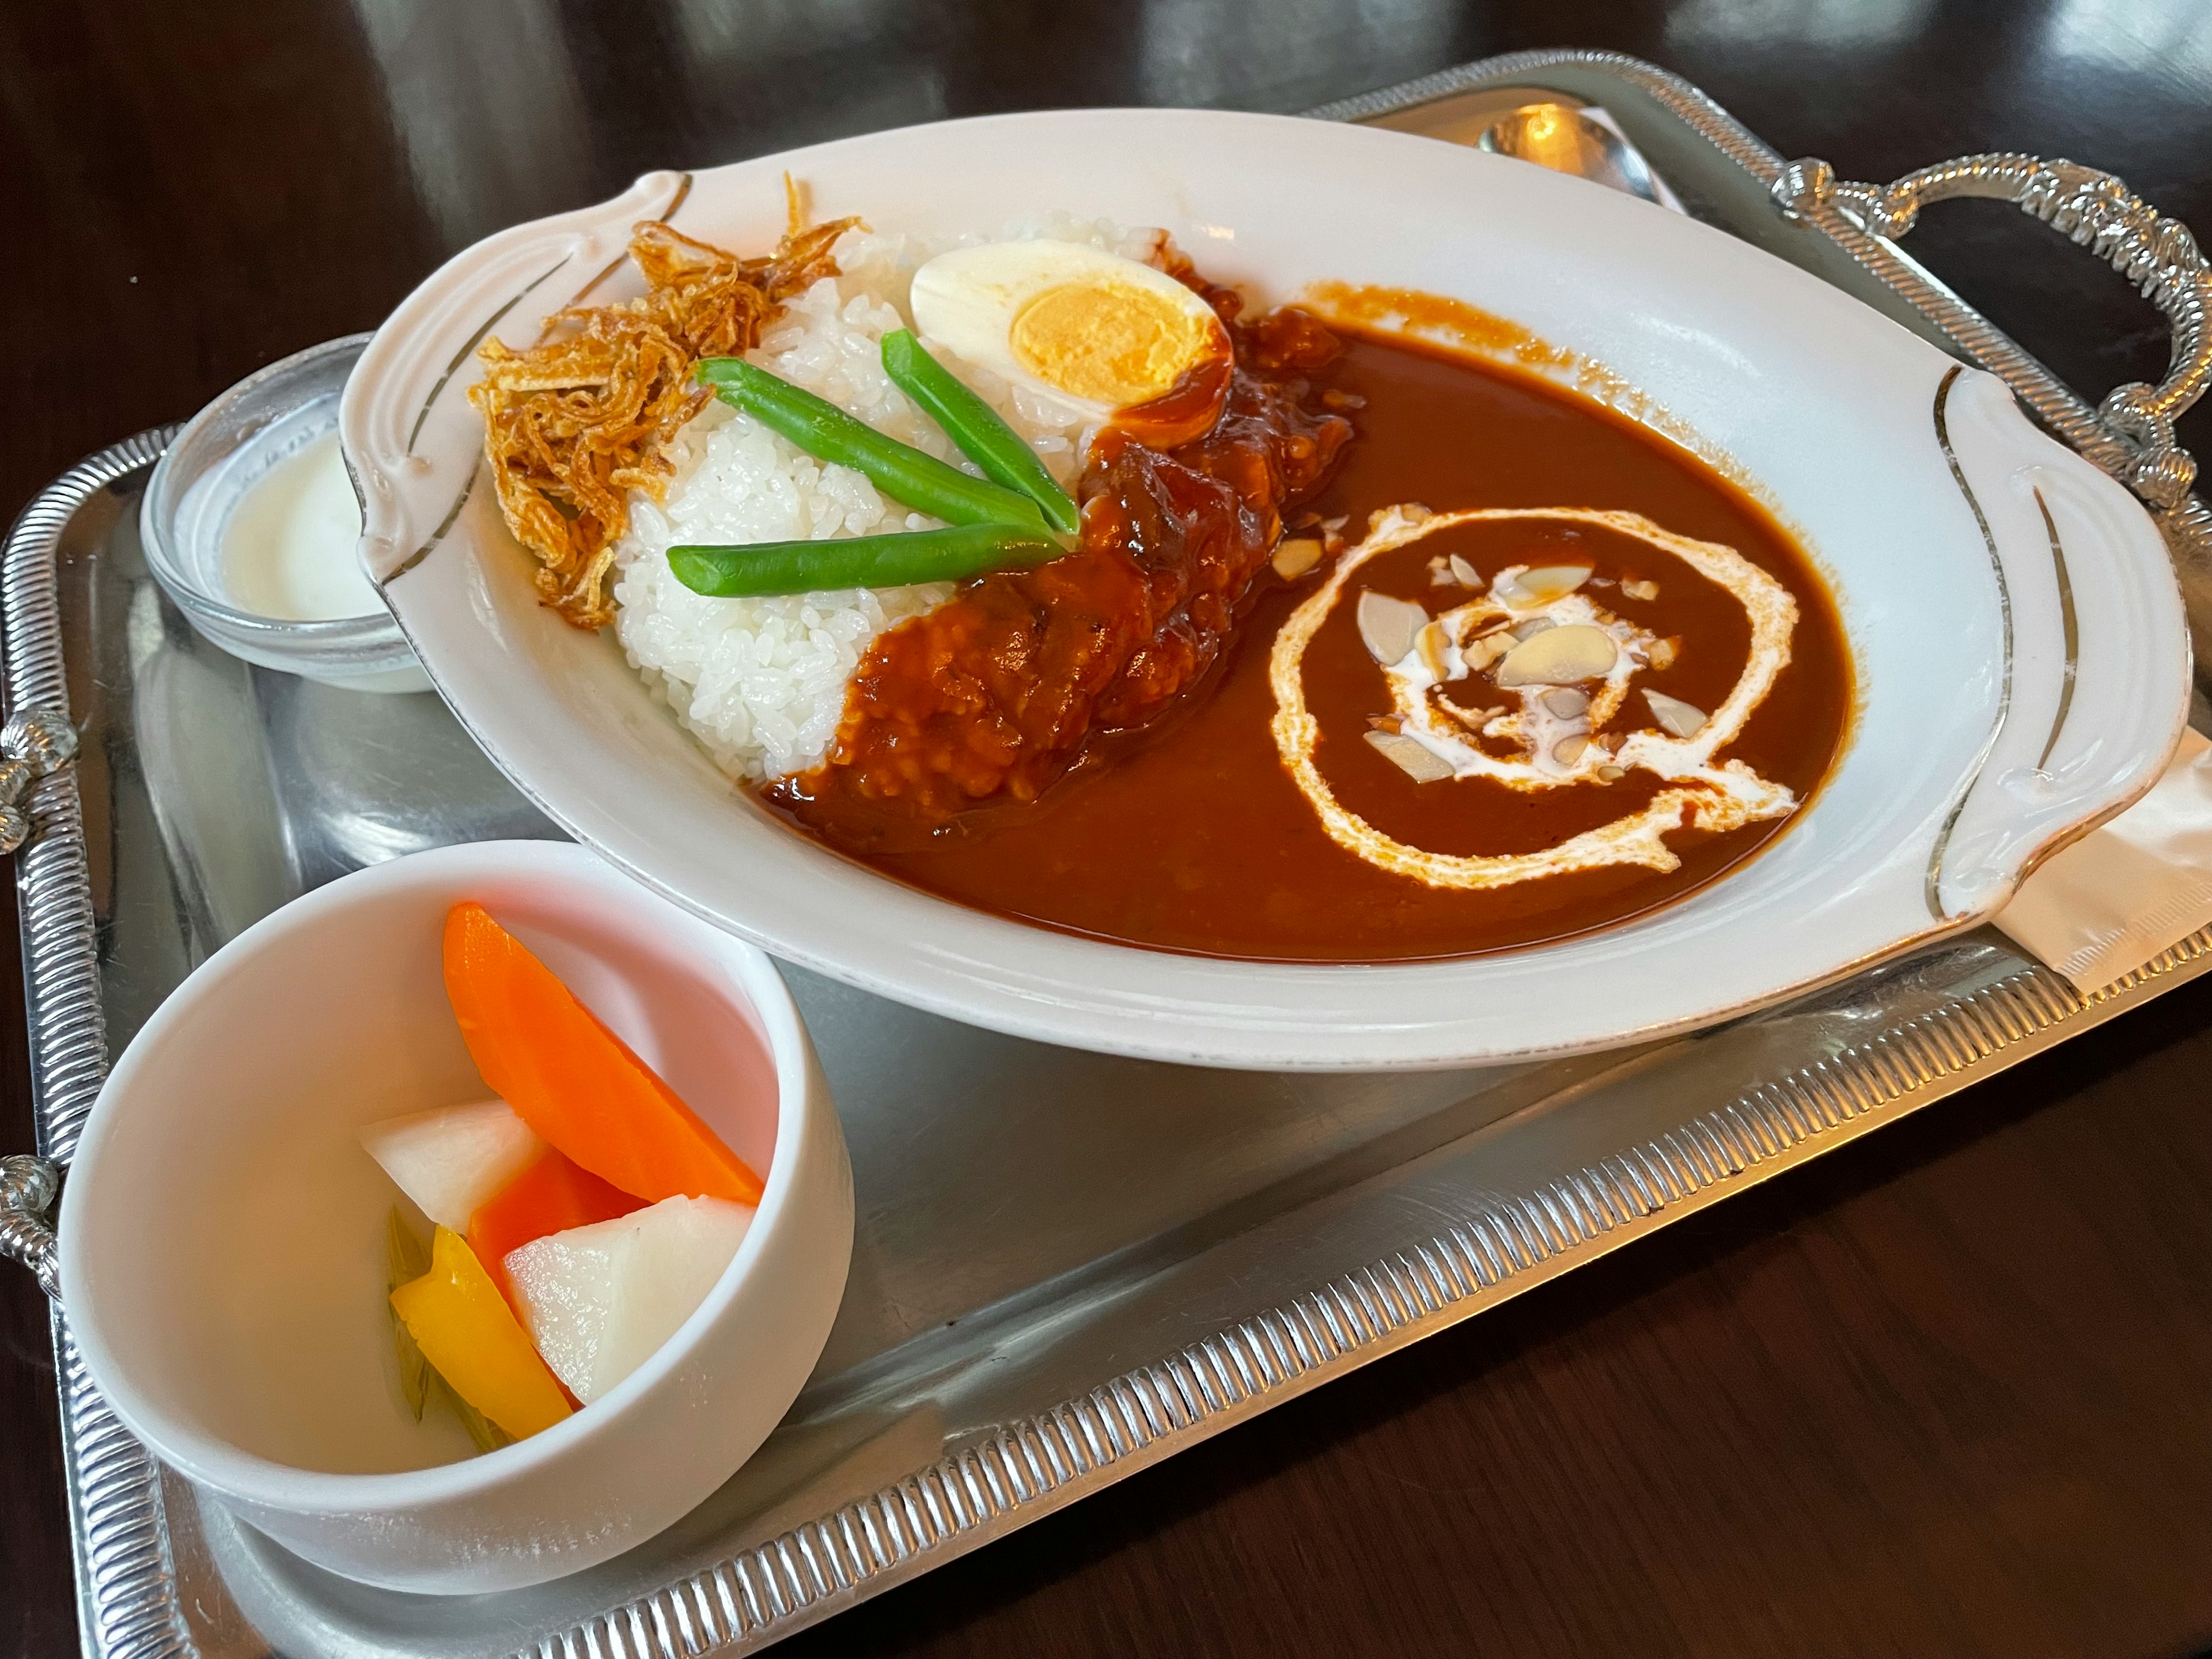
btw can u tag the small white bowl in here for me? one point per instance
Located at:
(202, 477)
(222, 1235)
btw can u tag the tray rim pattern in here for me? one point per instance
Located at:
(127, 1594)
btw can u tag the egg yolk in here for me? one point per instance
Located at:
(1111, 344)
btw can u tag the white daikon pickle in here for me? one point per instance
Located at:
(451, 1159)
(599, 1300)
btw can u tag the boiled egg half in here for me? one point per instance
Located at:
(1087, 329)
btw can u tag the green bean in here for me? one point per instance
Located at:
(984, 438)
(900, 471)
(757, 569)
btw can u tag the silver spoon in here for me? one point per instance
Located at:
(1563, 139)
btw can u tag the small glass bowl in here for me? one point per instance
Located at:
(228, 448)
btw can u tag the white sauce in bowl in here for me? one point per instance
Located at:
(288, 545)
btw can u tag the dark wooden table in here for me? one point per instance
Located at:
(1947, 1391)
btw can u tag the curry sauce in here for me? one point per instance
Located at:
(1087, 745)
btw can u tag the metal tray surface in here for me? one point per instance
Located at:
(1028, 1317)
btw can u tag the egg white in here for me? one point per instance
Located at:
(969, 301)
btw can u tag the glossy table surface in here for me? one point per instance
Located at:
(1945, 1391)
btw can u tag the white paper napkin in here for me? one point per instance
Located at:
(2122, 894)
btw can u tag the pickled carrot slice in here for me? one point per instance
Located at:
(573, 1080)
(550, 1195)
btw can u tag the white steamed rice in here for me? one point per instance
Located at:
(762, 682)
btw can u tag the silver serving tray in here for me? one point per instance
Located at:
(1067, 1266)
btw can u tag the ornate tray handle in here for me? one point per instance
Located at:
(34, 744)
(27, 1186)
(2095, 209)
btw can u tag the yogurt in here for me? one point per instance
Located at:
(288, 545)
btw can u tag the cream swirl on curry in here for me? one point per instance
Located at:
(1535, 637)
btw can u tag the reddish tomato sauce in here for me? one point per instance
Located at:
(1086, 745)
(995, 692)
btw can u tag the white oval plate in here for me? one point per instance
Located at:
(2022, 663)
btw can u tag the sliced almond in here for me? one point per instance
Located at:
(1293, 558)
(1565, 703)
(1560, 656)
(1336, 523)
(1611, 773)
(1414, 512)
(1661, 653)
(1639, 590)
(1385, 722)
(1410, 757)
(1468, 575)
(1478, 654)
(1540, 585)
(1534, 626)
(1568, 751)
(1676, 718)
(1386, 626)
(1432, 642)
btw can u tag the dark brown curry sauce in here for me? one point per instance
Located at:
(1177, 825)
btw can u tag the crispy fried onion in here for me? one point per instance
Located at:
(579, 419)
